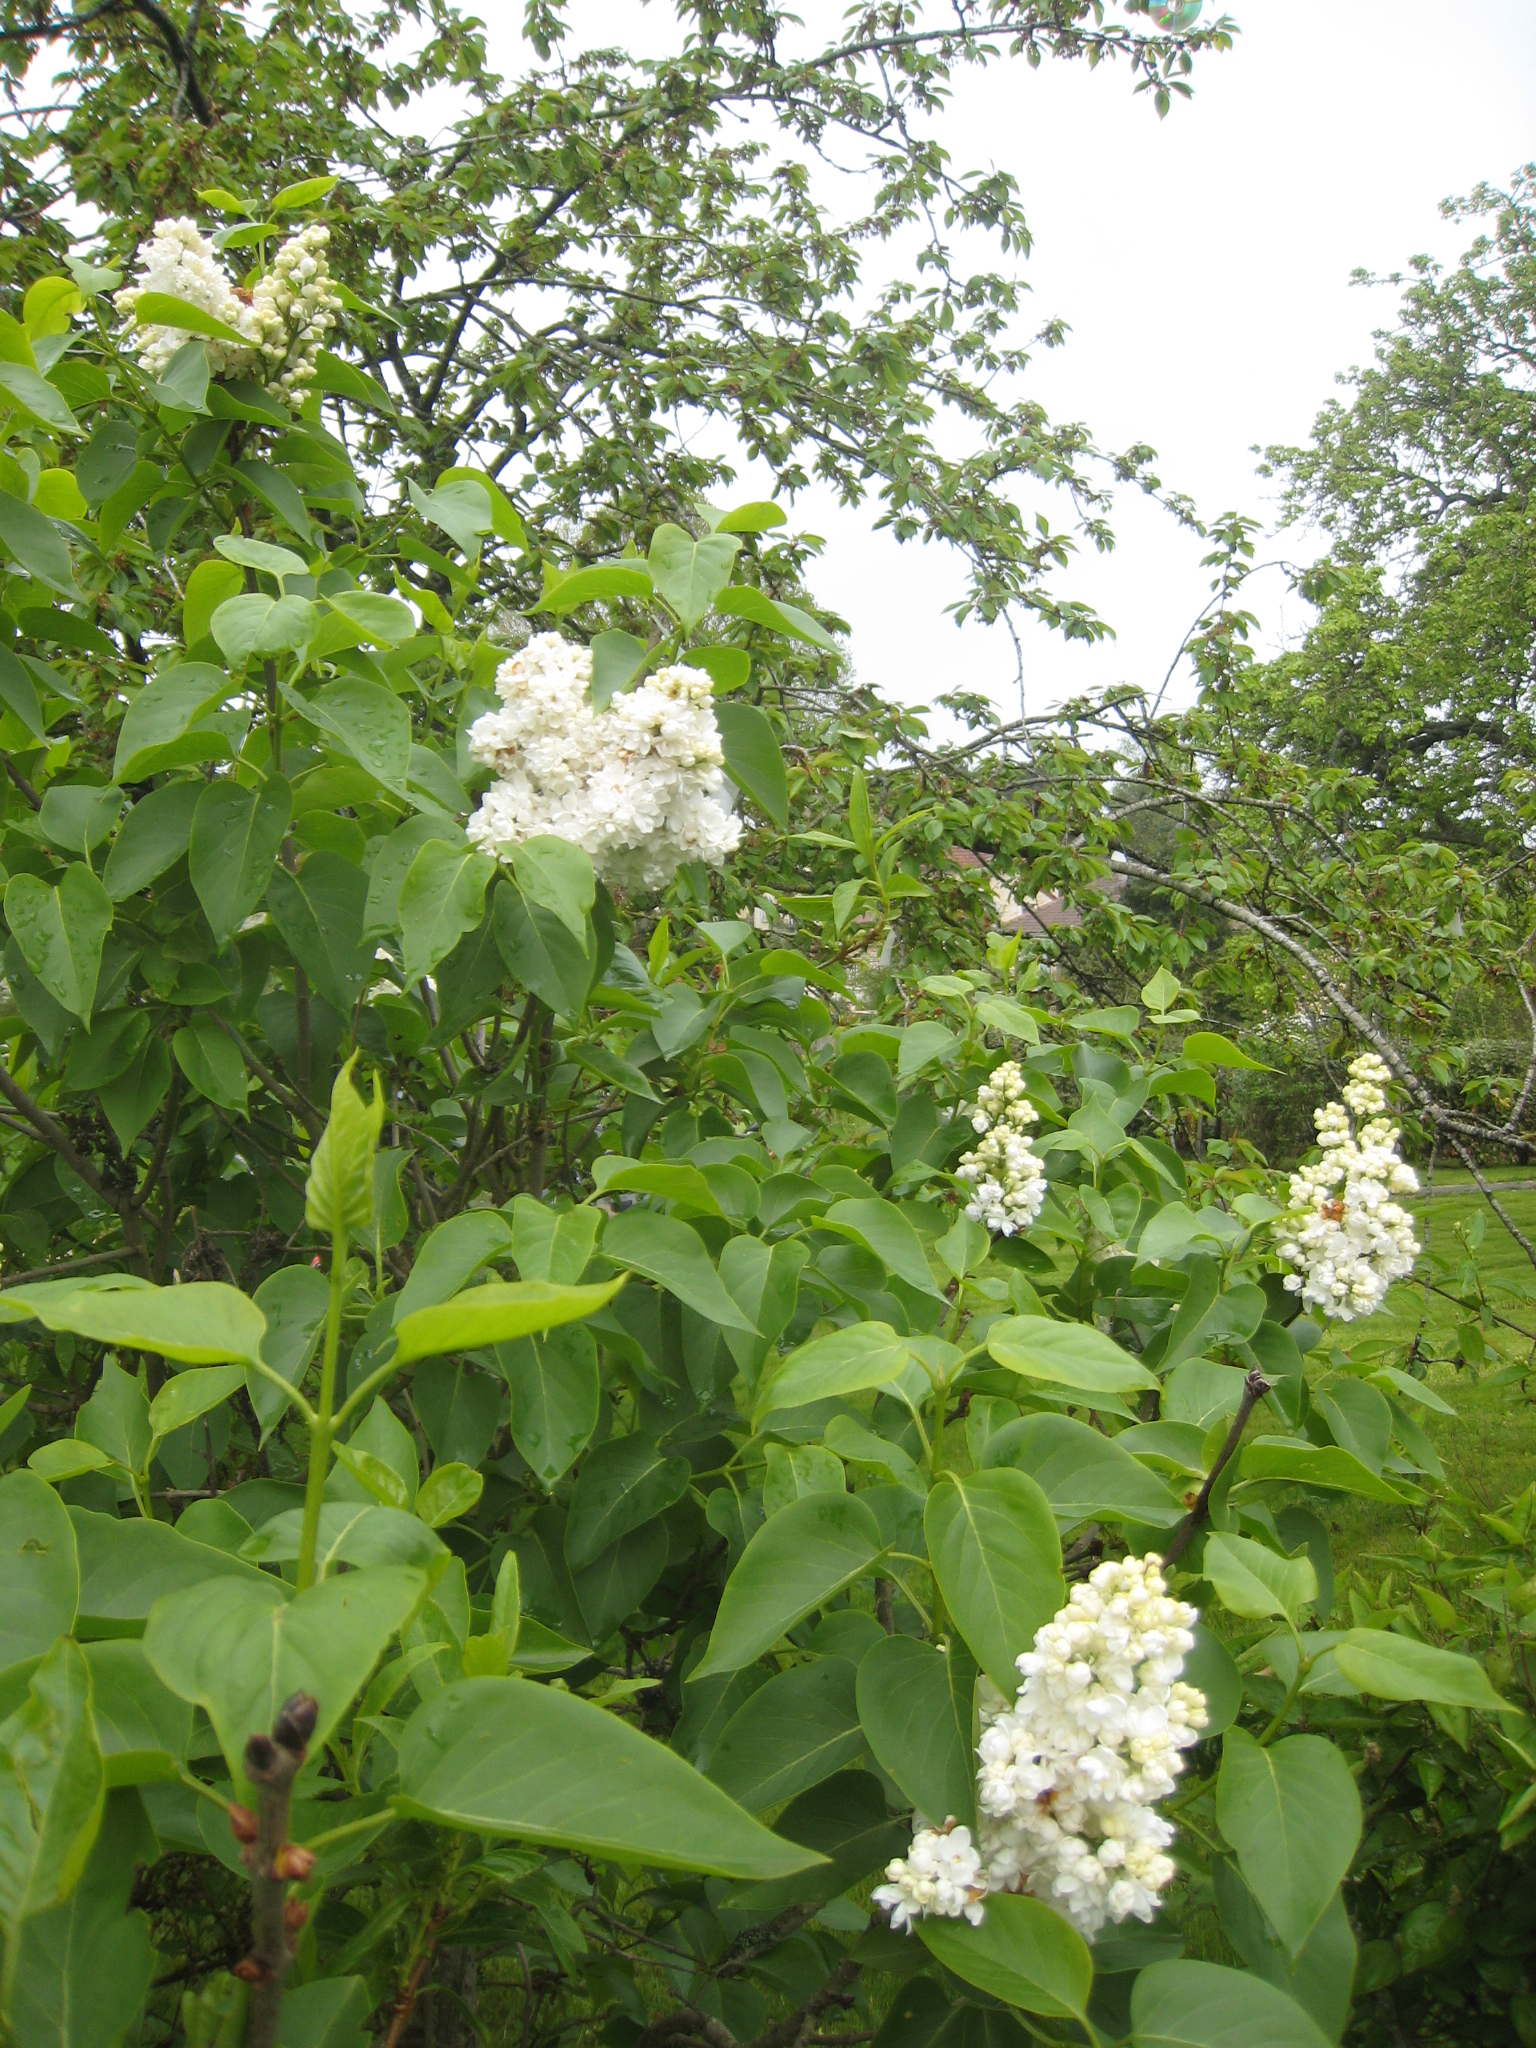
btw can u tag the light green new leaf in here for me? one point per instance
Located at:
(61, 931)
(449, 1257)
(187, 1395)
(689, 574)
(808, 1552)
(161, 309)
(384, 620)
(39, 1569)
(543, 1766)
(255, 625)
(294, 1301)
(494, 1314)
(52, 1789)
(1292, 1813)
(338, 1195)
(849, 1360)
(441, 898)
(1255, 1582)
(236, 836)
(1205, 2005)
(35, 395)
(1066, 1355)
(1394, 1667)
(1023, 1953)
(238, 1649)
(745, 601)
(997, 1557)
(447, 1492)
(1315, 1465)
(1211, 1049)
(560, 877)
(203, 1322)
(552, 1244)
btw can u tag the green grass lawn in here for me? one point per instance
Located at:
(1489, 1448)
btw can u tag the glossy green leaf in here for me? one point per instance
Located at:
(753, 759)
(36, 544)
(35, 395)
(1082, 1473)
(1254, 1582)
(540, 953)
(882, 1228)
(39, 1569)
(555, 1388)
(293, 1301)
(845, 1362)
(158, 727)
(1067, 1355)
(1212, 1050)
(1204, 2005)
(1315, 1465)
(799, 1728)
(1023, 1953)
(618, 659)
(211, 1061)
(255, 626)
(544, 1766)
(914, 1703)
(588, 586)
(203, 1322)
(154, 835)
(143, 1729)
(60, 931)
(809, 1551)
(558, 877)
(52, 1788)
(350, 1532)
(371, 722)
(448, 1258)
(383, 620)
(1320, 1978)
(625, 1482)
(127, 1565)
(997, 1558)
(673, 1255)
(238, 1649)
(236, 836)
(83, 1969)
(319, 915)
(441, 898)
(1292, 1813)
(1394, 1667)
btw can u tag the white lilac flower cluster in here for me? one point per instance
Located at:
(1343, 1232)
(284, 319)
(1071, 1772)
(1008, 1177)
(637, 784)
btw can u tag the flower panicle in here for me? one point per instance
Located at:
(1070, 1773)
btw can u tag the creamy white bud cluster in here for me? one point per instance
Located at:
(1343, 1232)
(1005, 1171)
(638, 784)
(284, 319)
(296, 303)
(1070, 1773)
(941, 1874)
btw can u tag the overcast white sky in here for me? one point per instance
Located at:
(1203, 265)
